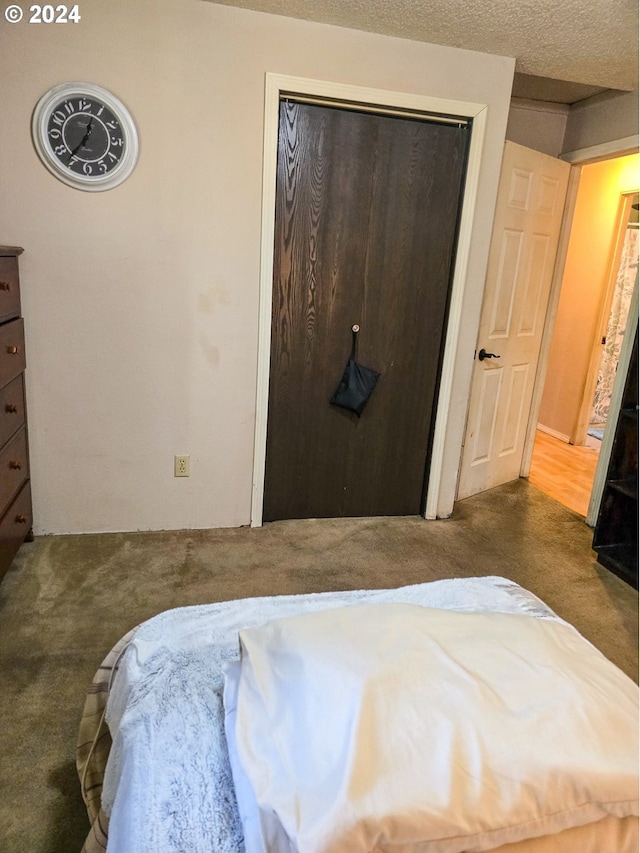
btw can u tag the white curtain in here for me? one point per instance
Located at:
(617, 323)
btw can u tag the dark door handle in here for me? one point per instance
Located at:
(484, 354)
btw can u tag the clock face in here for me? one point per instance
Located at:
(85, 136)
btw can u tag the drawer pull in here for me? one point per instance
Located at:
(15, 466)
(5, 285)
(11, 408)
(13, 350)
(21, 519)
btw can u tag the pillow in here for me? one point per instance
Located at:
(260, 835)
(394, 726)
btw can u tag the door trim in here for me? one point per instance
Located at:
(277, 85)
(617, 391)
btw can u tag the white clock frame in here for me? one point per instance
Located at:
(90, 183)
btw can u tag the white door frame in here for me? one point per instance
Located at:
(578, 158)
(277, 85)
(617, 391)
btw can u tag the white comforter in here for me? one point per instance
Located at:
(168, 785)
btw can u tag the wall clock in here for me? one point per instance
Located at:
(85, 136)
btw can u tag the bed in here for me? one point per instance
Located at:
(273, 724)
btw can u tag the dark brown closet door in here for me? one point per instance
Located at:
(365, 227)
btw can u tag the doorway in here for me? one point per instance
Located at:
(449, 412)
(599, 272)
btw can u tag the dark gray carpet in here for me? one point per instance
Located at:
(67, 599)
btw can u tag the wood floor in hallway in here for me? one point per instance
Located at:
(563, 471)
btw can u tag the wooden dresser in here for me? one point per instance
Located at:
(15, 488)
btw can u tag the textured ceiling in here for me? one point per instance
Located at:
(591, 42)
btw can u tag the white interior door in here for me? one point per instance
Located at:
(523, 250)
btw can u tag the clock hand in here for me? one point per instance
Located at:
(84, 139)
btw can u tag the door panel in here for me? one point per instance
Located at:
(514, 408)
(521, 260)
(510, 254)
(531, 317)
(483, 435)
(365, 227)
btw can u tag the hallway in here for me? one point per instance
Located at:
(563, 471)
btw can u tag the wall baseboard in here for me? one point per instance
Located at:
(554, 433)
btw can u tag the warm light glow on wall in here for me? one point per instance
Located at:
(621, 175)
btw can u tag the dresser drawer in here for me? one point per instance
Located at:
(11, 408)
(14, 467)
(12, 357)
(15, 524)
(9, 288)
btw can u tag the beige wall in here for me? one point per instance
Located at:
(538, 125)
(141, 303)
(586, 274)
(602, 119)
(558, 129)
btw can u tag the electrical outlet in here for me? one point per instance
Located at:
(180, 466)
